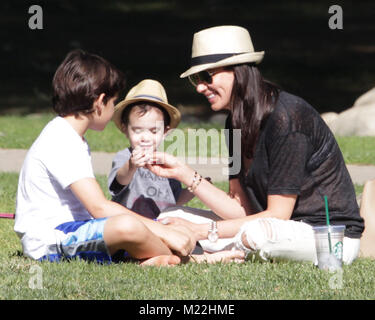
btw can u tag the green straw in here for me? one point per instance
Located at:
(327, 219)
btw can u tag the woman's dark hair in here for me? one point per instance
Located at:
(144, 107)
(253, 99)
(79, 81)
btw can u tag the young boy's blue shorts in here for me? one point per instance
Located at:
(80, 239)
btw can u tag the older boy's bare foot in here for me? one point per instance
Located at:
(221, 256)
(163, 260)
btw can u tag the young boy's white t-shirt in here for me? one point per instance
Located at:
(57, 158)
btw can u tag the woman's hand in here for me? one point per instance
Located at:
(168, 166)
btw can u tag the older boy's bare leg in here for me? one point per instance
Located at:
(130, 234)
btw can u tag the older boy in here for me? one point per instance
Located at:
(61, 210)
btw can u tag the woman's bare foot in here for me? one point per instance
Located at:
(221, 256)
(163, 260)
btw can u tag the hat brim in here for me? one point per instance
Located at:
(173, 112)
(255, 57)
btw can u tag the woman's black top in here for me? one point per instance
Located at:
(296, 153)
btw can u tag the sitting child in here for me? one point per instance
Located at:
(145, 117)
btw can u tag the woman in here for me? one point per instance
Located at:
(289, 159)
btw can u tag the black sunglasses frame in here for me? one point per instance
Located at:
(202, 76)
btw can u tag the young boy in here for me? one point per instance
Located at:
(145, 117)
(61, 211)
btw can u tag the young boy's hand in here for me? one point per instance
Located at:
(140, 156)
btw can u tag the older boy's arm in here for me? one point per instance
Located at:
(90, 194)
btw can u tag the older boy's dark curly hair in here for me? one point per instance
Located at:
(79, 81)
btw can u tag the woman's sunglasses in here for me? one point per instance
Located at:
(203, 76)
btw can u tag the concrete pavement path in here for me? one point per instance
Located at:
(11, 160)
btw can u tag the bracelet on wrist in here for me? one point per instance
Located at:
(196, 181)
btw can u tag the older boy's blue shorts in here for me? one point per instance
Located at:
(80, 239)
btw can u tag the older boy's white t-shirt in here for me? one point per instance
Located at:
(57, 158)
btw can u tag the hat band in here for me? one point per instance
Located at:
(148, 96)
(210, 58)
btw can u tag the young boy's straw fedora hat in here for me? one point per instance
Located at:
(221, 46)
(149, 91)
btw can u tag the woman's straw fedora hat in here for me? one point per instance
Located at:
(147, 91)
(221, 46)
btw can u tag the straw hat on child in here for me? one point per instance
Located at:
(147, 91)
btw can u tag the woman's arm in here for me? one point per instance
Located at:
(230, 209)
(214, 198)
(279, 206)
(236, 192)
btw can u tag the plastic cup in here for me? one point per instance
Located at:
(329, 259)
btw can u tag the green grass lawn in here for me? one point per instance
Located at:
(80, 280)
(76, 280)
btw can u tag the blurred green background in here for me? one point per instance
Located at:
(152, 39)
